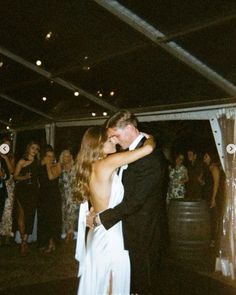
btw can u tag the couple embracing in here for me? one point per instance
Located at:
(123, 246)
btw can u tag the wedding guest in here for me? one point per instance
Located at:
(26, 193)
(49, 208)
(69, 205)
(213, 191)
(178, 176)
(195, 176)
(6, 222)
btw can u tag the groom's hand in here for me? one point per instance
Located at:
(92, 219)
(89, 218)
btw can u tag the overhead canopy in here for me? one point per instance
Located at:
(142, 55)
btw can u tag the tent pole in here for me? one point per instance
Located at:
(216, 131)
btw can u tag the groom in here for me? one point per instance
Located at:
(141, 209)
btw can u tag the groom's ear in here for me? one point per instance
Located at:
(129, 127)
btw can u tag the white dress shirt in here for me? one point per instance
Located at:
(131, 148)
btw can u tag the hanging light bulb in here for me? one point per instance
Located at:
(48, 36)
(38, 63)
(76, 93)
(86, 68)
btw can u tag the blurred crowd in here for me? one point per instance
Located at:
(37, 190)
(199, 177)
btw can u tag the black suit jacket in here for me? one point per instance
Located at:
(140, 210)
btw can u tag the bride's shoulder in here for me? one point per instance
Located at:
(100, 170)
(103, 164)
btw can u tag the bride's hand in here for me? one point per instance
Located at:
(147, 135)
(150, 141)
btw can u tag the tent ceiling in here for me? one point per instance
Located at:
(93, 50)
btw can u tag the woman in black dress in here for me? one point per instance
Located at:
(26, 193)
(213, 192)
(50, 214)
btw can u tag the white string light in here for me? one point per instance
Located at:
(48, 36)
(38, 63)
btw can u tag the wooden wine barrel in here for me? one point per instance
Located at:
(189, 229)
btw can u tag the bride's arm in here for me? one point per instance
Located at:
(118, 159)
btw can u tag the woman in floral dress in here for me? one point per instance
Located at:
(178, 176)
(6, 222)
(69, 205)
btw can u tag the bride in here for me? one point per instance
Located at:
(104, 266)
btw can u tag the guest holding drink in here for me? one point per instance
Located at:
(26, 193)
(50, 215)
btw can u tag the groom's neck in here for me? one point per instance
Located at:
(134, 135)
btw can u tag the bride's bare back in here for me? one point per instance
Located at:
(100, 186)
(102, 173)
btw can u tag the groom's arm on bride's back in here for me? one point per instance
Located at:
(148, 175)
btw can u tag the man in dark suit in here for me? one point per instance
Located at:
(141, 209)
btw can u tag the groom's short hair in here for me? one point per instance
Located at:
(121, 119)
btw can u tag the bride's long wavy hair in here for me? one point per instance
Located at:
(91, 150)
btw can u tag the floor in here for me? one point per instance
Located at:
(36, 269)
(57, 274)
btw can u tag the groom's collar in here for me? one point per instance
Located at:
(136, 141)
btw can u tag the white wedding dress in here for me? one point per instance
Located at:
(103, 258)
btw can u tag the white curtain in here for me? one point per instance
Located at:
(50, 134)
(226, 260)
